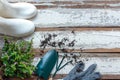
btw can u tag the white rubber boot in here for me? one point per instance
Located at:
(16, 27)
(17, 10)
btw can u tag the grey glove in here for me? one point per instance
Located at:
(77, 73)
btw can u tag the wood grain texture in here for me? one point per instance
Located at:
(108, 71)
(87, 4)
(73, 3)
(40, 53)
(103, 64)
(77, 29)
(100, 28)
(104, 77)
(63, 17)
(84, 41)
(92, 51)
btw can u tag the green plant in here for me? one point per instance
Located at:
(16, 58)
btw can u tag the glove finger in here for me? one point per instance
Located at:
(73, 77)
(90, 70)
(95, 75)
(78, 68)
(73, 74)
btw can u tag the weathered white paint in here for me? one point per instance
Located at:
(79, 2)
(83, 39)
(49, 2)
(43, 0)
(58, 0)
(88, 39)
(105, 65)
(61, 17)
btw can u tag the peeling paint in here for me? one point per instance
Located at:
(84, 39)
(103, 65)
(77, 17)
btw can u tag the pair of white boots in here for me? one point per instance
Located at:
(12, 18)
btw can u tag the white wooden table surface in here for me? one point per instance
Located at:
(93, 25)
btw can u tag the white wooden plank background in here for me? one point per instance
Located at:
(51, 15)
(83, 39)
(60, 17)
(77, 3)
(104, 64)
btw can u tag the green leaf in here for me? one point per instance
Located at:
(17, 58)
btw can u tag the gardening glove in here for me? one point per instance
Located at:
(77, 73)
